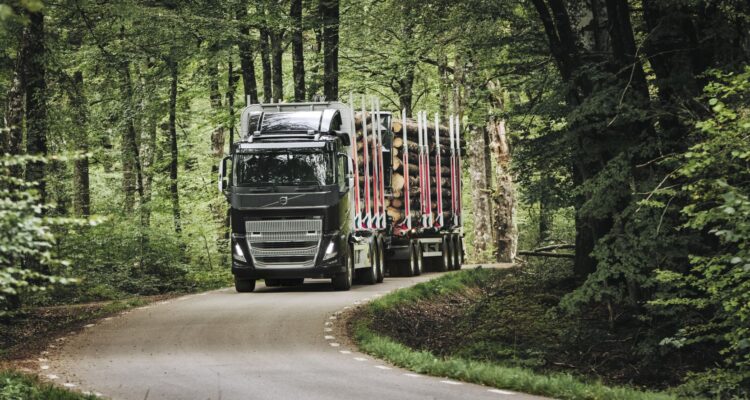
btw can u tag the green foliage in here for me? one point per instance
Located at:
(511, 373)
(16, 386)
(26, 238)
(716, 171)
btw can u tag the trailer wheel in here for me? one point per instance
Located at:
(380, 257)
(458, 252)
(244, 285)
(416, 259)
(446, 260)
(343, 282)
(370, 275)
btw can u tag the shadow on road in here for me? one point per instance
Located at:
(315, 285)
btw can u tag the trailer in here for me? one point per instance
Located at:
(314, 190)
(410, 189)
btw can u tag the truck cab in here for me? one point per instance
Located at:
(288, 184)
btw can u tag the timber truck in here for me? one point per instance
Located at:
(321, 190)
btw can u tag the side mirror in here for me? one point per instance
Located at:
(346, 140)
(223, 182)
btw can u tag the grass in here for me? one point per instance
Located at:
(16, 386)
(495, 374)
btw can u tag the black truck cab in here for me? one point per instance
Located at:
(288, 188)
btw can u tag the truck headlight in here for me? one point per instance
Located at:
(331, 250)
(238, 254)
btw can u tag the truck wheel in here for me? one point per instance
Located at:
(446, 260)
(458, 252)
(370, 275)
(343, 281)
(380, 257)
(416, 259)
(272, 282)
(244, 285)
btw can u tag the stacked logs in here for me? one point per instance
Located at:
(411, 147)
(396, 204)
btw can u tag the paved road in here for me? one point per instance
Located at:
(271, 344)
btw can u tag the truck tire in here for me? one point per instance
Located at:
(343, 282)
(458, 252)
(380, 256)
(416, 259)
(369, 276)
(446, 260)
(244, 285)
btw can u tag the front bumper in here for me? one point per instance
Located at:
(325, 269)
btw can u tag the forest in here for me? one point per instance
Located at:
(609, 138)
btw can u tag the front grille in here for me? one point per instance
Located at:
(291, 243)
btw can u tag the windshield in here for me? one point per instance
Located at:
(285, 168)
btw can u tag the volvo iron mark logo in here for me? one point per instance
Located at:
(283, 200)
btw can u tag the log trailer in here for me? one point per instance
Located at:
(311, 193)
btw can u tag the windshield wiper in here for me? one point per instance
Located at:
(309, 188)
(261, 189)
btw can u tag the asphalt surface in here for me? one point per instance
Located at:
(275, 343)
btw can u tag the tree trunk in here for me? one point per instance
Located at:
(265, 61)
(277, 52)
(149, 103)
(132, 180)
(480, 195)
(82, 194)
(298, 60)
(14, 118)
(246, 55)
(329, 11)
(231, 90)
(35, 85)
(444, 92)
(315, 78)
(173, 147)
(217, 135)
(545, 209)
(504, 199)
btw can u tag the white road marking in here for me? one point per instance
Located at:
(347, 307)
(328, 337)
(42, 359)
(69, 385)
(345, 352)
(413, 375)
(327, 329)
(44, 367)
(360, 358)
(451, 382)
(89, 326)
(328, 323)
(498, 391)
(334, 344)
(332, 317)
(381, 367)
(52, 376)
